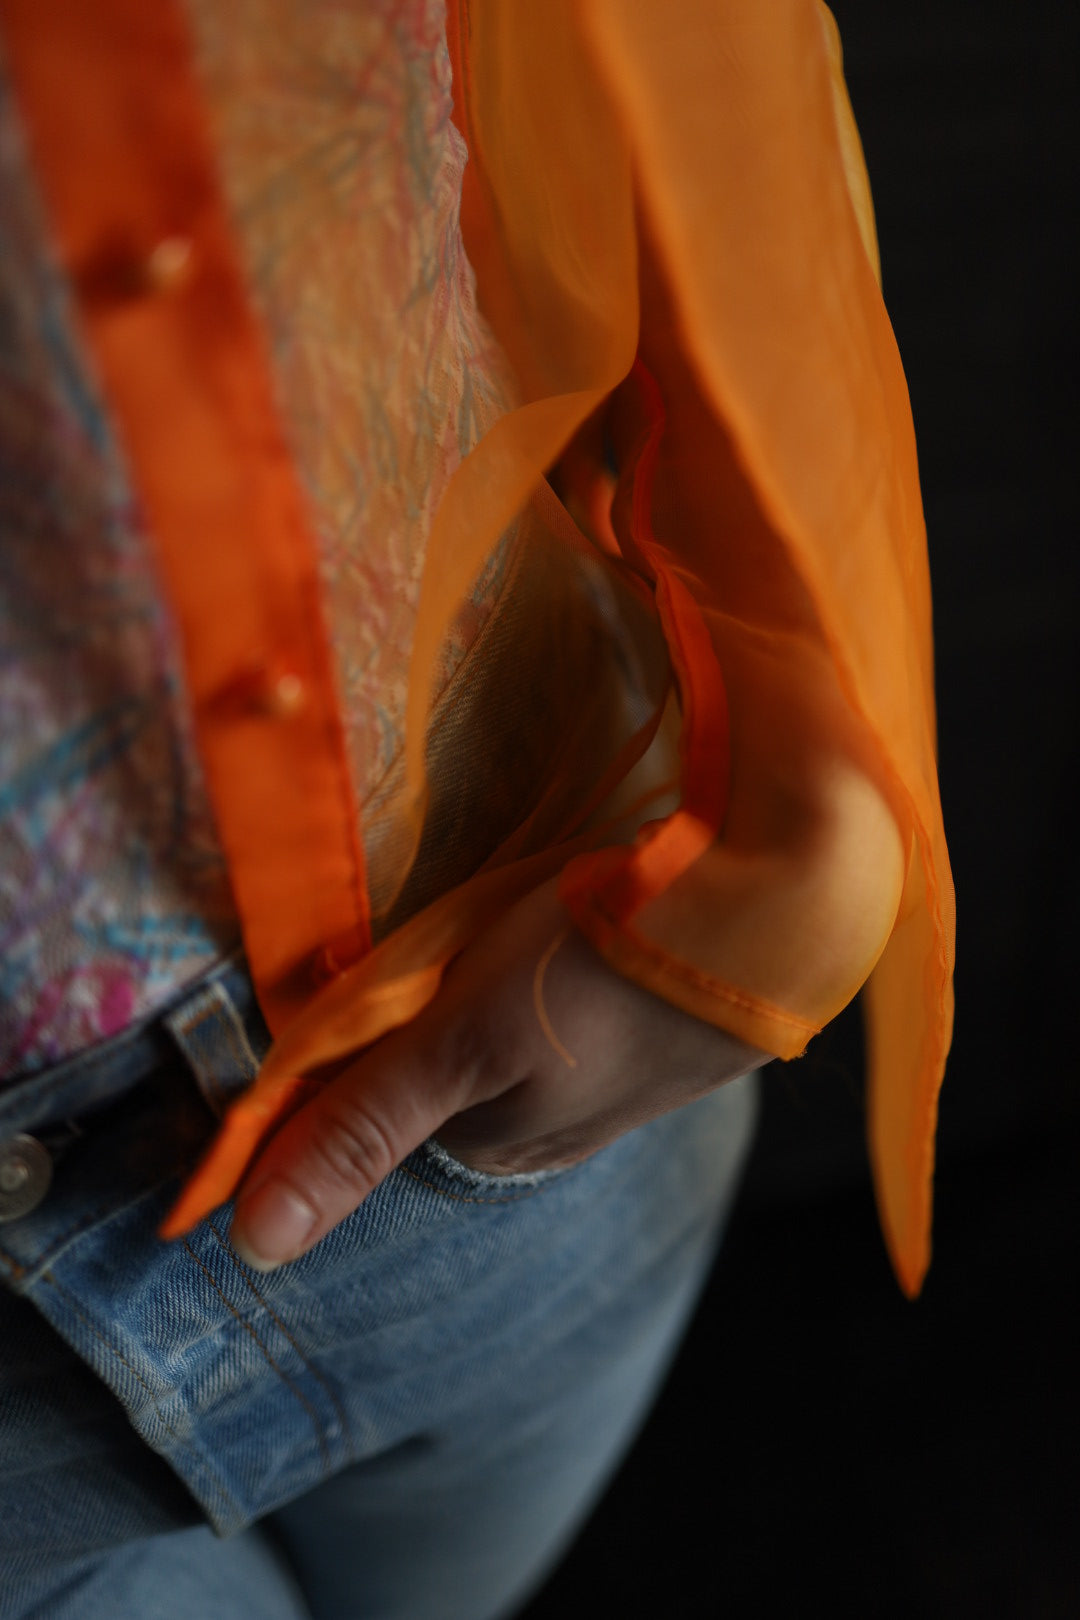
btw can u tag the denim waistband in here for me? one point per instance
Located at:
(99, 1076)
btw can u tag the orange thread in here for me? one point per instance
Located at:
(538, 999)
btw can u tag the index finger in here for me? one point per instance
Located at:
(333, 1152)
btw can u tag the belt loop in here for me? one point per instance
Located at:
(210, 1033)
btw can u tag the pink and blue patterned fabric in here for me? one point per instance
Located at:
(113, 890)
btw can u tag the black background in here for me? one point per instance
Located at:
(823, 1446)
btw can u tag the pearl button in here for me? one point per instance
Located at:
(286, 695)
(25, 1176)
(262, 689)
(169, 266)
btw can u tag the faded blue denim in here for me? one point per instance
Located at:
(418, 1414)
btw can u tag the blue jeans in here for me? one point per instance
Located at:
(408, 1423)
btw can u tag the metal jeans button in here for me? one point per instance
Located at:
(25, 1174)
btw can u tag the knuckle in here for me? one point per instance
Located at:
(352, 1147)
(466, 1058)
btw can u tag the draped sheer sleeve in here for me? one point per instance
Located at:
(693, 189)
(670, 226)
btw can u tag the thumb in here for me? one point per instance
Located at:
(336, 1150)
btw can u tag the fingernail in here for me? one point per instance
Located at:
(271, 1226)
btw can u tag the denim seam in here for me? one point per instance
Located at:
(118, 1355)
(20, 1271)
(298, 1395)
(276, 1319)
(51, 1085)
(61, 1241)
(99, 1213)
(460, 1198)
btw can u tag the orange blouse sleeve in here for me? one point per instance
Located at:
(769, 486)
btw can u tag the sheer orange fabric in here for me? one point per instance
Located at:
(778, 314)
(782, 497)
(671, 232)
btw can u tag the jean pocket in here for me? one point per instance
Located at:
(433, 1161)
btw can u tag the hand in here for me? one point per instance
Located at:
(477, 1068)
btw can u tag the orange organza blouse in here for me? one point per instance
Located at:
(670, 224)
